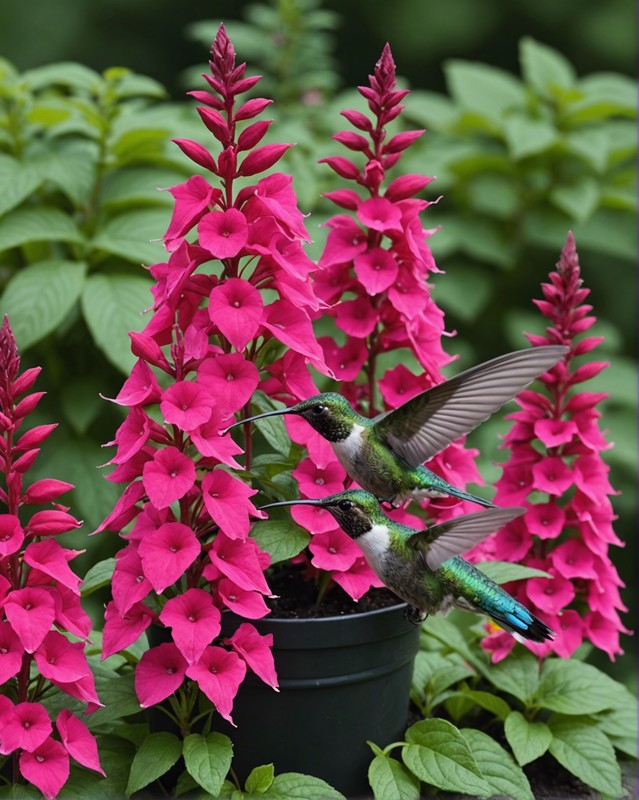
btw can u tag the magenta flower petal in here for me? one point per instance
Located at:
(239, 560)
(59, 659)
(140, 388)
(159, 673)
(333, 550)
(78, 740)
(357, 317)
(315, 482)
(572, 559)
(552, 475)
(546, 520)
(316, 520)
(51, 558)
(345, 362)
(227, 500)
(293, 374)
(293, 328)
(591, 476)
(11, 651)
(219, 674)
(604, 633)
(569, 628)
(129, 584)
(248, 604)
(211, 444)
(194, 622)
(69, 613)
(47, 767)
(344, 241)
(121, 630)
(318, 448)
(236, 308)
(168, 476)
(27, 728)
(357, 579)
(192, 200)
(376, 270)
(11, 534)
(167, 553)
(30, 612)
(554, 432)
(230, 378)
(223, 233)
(399, 385)
(255, 649)
(550, 594)
(186, 404)
(380, 214)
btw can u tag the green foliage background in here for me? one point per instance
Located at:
(530, 111)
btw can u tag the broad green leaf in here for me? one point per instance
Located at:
(112, 306)
(272, 428)
(134, 235)
(64, 73)
(432, 110)
(71, 166)
(40, 224)
(578, 199)
(572, 687)
(518, 675)
(504, 571)
(390, 780)
(497, 766)
(208, 759)
(438, 754)
(527, 136)
(295, 786)
(156, 755)
(434, 672)
(467, 294)
(603, 95)
(81, 402)
(39, 297)
(495, 195)
(260, 779)
(132, 85)
(544, 68)
(584, 750)
(116, 691)
(590, 145)
(139, 145)
(18, 181)
(528, 740)
(483, 89)
(451, 637)
(491, 702)
(621, 721)
(139, 185)
(98, 576)
(282, 539)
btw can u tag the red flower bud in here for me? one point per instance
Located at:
(45, 490)
(262, 158)
(196, 152)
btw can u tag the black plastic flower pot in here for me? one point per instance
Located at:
(343, 680)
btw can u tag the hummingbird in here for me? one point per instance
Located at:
(424, 567)
(384, 455)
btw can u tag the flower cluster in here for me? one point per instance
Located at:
(373, 277)
(233, 296)
(556, 471)
(40, 599)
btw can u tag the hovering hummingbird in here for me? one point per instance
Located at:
(384, 454)
(424, 568)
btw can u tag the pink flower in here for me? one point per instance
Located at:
(192, 200)
(78, 741)
(168, 476)
(223, 233)
(333, 550)
(27, 728)
(356, 317)
(380, 214)
(239, 560)
(167, 553)
(47, 767)
(248, 604)
(552, 475)
(51, 558)
(315, 482)
(11, 534)
(230, 378)
(376, 270)
(140, 388)
(30, 612)
(11, 651)
(159, 673)
(357, 579)
(186, 404)
(546, 520)
(121, 630)
(227, 500)
(218, 674)
(61, 660)
(129, 584)
(194, 622)
(255, 649)
(550, 594)
(237, 309)
(292, 326)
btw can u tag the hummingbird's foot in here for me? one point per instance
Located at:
(414, 615)
(391, 500)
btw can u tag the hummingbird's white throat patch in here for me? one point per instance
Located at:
(375, 544)
(347, 449)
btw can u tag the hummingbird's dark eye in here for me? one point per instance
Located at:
(317, 410)
(345, 505)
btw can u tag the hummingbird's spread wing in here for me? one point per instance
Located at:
(429, 422)
(441, 542)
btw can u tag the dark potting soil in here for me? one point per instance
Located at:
(296, 596)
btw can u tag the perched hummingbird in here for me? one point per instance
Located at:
(384, 454)
(424, 568)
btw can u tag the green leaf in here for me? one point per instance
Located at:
(42, 224)
(483, 89)
(81, 402)
(116, 691)
(518, 675)
(491, 702)
(260, 779)
(497, 766)
(71, 166)
(620, 723)
(438, 754)
(504, 571)
(579, 198)
(18, 181)
(544, 68)
(467, 294)
(112, 306)
(142, 144)
(272, 428)
(295, 786)
(604, 95)
(528, 740)
(139, 185)
(208, 759)
(157, 754)
(390, 780)
(584, 750)
(64, 73)
(282, 539)
(39, 297)
(98, 576)
(133, 85)
(572, 687)
(130, 235)
(590, 145)
(527, 136)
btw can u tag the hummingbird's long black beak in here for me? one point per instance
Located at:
(276, 413)
(298, 502)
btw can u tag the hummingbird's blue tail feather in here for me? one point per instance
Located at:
(432, 485)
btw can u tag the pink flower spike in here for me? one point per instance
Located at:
(78, 740)
(236, 308)
(223, 233)
(128, 585)
(186, 404)
(51, 558)
(47, 768)
(379, 214)
(30, 613)
(61, 660)
(357, 579)
(230, 378)
(26, 729)
(552, 475)
(11, 534)
(238, 560)
(194, 622)
(192, 200)
(219, 674)
(167, 553)
(168, 476)
(227, 500)
(120, 631)
(333, 550)
(255, 649)
(376, 270)
(11, 651)
(247, 604)
(140, 388)
(159, 673)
